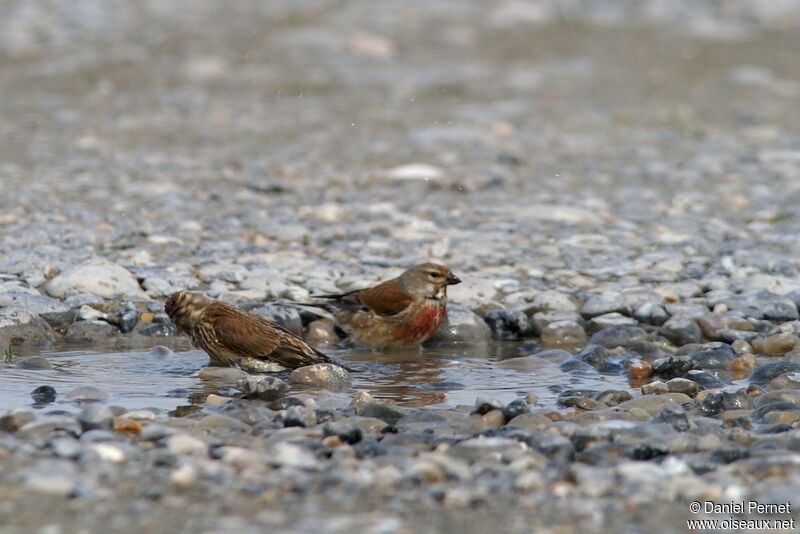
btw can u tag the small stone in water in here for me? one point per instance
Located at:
(87, 393)
(33, 363)
(563, 334)
(640, 369)
(484, 405)
(682, 385)
(776, 344)
(160, 351)
(96, 416)
(262, 387)
(655, 388)
(321, 375)
(44, 394)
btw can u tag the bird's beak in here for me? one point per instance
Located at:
(453, 280)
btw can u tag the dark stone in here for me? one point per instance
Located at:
(651, 313)
(713, 356)
(765, 373)
(387, 413)
(674, 416)
(782, 406)
(729, 335)
(96, 416)
(515, 408)
(44, 394)
(597, 305)
(575, 365)
(673, 366)
(705, 379)
(681, 331)
(618, 336)
(601, 359)
(613, 397)
(484, 405)
(508, 325)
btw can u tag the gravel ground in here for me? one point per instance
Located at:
(617, 183)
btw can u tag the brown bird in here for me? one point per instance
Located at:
(232, 336)
(399, 313)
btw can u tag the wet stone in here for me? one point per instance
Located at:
(321, 375)
(601, 359)
(681, 331)
(541, 319)
(713, 356)
(33, 363)
(563, 333)
(299, 416)
(655, 388)
(675, 416)
(515, 408)
(461, 326)
(651, 313)
(599, 305)
(776, 344)
(766, 372)
(673, 366)
(508, 325)
(388, 413)
(728, 335)
(262, 387)
(96, 416)
(618, 336)
(21, 327)
(89, 332)
(609, 320)
(16, 419)
(613, 397)
(43, 394)
(639, 369)
(87, 394)
(682, 385)
(704, 379)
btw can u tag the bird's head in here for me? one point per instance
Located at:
(429, 280)
(186, 308)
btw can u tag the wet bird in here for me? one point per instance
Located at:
(398, 313)
(234, 337)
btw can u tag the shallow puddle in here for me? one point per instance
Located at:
(442, 378)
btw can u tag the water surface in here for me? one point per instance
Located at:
(442, 378)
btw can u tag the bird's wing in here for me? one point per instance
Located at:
(385, 299)
(251, 336)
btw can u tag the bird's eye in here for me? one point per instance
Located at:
(434, 274)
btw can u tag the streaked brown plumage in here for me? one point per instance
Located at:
(398, 313)
(229, 334)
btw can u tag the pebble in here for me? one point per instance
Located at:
(655, 388)
(99, 277)
(89, 332)
(186, 444)
(461, 327)
(44, 394)
(683, 385)
(87, 393)
(321, 375)
(508, 325)
(96, 416)
(776, 344)
(262, 387)
(681, 331)
(563, 334)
